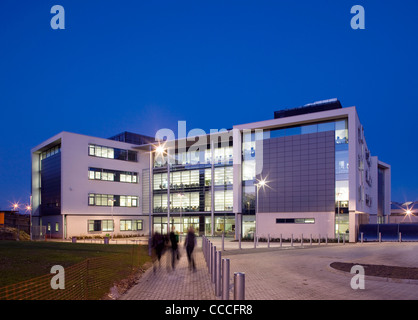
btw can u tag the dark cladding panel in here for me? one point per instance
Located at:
(302, 177)
(51, 185)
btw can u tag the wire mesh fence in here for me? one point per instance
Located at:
(90, 279)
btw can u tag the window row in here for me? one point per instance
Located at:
(113, 175)
(108, 225)
(109, 200)
(194, 201)
(112, 153)
(50, 152)
(223, 155)
(191, 178)
(295, 220)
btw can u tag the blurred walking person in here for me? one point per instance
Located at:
(190, 243)
(158, 245)
(174, 240)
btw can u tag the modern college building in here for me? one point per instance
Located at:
(317, 177)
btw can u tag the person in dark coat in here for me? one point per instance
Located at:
(158, 245)
(189, 244)
(174, 248)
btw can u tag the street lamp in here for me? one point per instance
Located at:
(181, 195)
(261, 184)
(15, 206)
(112, 201)
(337, 225)
(161, 150)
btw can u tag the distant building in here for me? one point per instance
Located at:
(404, 212)
(14, 219)
(321, 179)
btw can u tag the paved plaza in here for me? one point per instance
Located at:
(284, 273)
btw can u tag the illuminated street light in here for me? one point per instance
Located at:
(261, 184)
(160, 149)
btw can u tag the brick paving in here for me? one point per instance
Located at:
(285, 273)
(178, 284)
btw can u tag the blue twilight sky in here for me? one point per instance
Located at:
(144, 65)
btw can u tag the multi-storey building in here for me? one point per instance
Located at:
(318, 173)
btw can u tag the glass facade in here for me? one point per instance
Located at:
(191, 188)
(191, 182)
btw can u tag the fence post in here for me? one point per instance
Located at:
(239, 286)
(225, 279)
(218, 281)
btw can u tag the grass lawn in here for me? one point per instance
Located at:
(23, 260)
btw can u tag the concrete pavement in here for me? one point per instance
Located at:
(285, 273)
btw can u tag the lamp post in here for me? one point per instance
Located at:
(112, 202)
(29, 209)
(181, 195)
(337, 229)
(261, 183)
(161, 150)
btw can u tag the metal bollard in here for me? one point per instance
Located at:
(319, 239)
(218, 278)
(361, 237)
(400, 236)
(291, 240)
(344, 239)
(326, 238)
(380, 237)
(225, 279)
(204, 247)
(301, 240)
(281, 240)
(213, 265)
(210, 257)
(239, 286)
(310, 240)
(268, 240)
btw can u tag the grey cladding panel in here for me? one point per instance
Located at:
(301, 173)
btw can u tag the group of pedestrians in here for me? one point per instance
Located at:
(160, 243)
